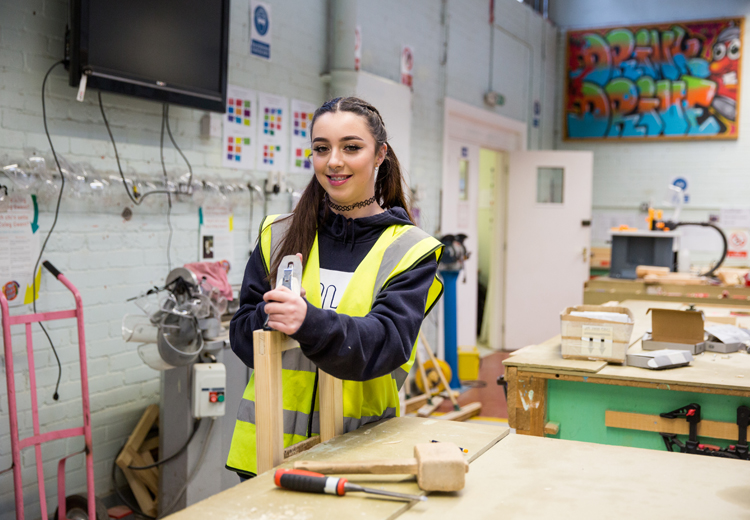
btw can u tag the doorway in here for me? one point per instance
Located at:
(490, 241)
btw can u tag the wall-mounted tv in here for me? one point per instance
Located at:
(172, 51)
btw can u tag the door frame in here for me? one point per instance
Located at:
(466, 123)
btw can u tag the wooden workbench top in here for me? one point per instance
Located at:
(724, 371)
(534, 477)
(259, 498)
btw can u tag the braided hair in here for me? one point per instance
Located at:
(389, 190)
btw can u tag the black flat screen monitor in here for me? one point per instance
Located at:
(172, 51)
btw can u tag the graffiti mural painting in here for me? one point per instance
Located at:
(668, 81)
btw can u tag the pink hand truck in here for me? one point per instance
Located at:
(38, 438)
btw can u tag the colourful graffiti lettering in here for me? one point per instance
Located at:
(673, 81)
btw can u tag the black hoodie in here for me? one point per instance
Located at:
(353, 348)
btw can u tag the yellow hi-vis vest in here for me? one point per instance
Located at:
(399, 249)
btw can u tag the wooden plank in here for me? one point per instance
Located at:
(269, 419)
(305, 445)
(636, 384)
(415, 403)
(150, 444)
(436, 366)
(150, 477)
(331, 406)
(466, 412)
(511, 376)
(392, 438)
(654, 423)
(552, 428)
(137, 436)
(549, 355)
(427, 409)
(146, 502)
(538, 406)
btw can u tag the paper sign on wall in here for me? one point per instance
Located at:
(273, 118)
(239, 128)
(357, 47)
(19, 248)
(730, 218)
(302, 114)
(407, 65)
(737, 241)
(260, 29)
(216, 241)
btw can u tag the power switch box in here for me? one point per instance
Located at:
(209, 389)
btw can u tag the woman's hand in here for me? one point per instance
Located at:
(286, 311)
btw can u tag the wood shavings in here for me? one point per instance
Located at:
(392, 442)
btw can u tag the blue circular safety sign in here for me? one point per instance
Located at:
(260, 18)
(680, 183)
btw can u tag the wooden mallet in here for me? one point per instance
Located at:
(438, 466)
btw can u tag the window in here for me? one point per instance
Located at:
(549, 185)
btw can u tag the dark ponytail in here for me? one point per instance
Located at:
(389, 186)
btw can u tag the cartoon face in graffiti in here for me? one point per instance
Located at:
(724, 67)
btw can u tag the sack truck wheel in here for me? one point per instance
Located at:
(76, 508)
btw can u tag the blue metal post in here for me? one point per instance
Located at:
(451, 325)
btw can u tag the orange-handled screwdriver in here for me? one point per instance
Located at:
(311, 482)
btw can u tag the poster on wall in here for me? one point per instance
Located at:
(215, 238)
(651, 82)
(19, 248)
(300, 160)
(273, 118)
(260, 29)
(239, 137)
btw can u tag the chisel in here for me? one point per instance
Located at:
(311, 482)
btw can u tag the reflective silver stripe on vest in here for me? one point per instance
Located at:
(394, 253)
(399, 375)
(295, 423)
(279, 227)
(294, 359)
(351, 424)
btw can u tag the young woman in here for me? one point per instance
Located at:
(369, 280)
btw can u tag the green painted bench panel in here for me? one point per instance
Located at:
(579, 409)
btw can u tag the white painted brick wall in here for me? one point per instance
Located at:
(110, 259)
(628, 174)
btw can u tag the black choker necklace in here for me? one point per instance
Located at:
(350, 207)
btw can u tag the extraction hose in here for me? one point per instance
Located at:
(711, 271)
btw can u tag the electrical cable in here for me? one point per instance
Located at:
(56, 395)
(190, 168)
(175, 454)
(134, 200)
(195, 469)
(169, 195)
(711, 271)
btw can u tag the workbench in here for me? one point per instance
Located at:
(603, 289)
(510, 476)
(575, 399)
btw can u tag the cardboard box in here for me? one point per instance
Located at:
(726, 338)
(649, 344)
(718, 347)
(660, 359)
(600, 339)
(674, 326)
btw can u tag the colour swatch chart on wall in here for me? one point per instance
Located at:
(302, 114)
(273, 118)
(238, 144)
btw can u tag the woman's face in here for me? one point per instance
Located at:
(344, 156)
